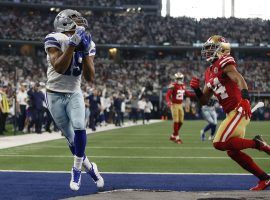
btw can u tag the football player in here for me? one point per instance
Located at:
(70, 53)
(174, 98)
(210, 115)
(224, 81)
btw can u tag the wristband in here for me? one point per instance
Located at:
(244, 94)
(198, 92)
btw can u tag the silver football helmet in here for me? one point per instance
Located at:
(68, 19)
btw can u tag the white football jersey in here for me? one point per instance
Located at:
(70, 81)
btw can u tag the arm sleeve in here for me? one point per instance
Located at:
(227, 61)
(51, 41)
(168, 96)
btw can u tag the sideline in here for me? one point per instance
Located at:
(19, 140)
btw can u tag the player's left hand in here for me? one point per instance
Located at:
(244, 107)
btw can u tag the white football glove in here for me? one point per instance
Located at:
(76, 38)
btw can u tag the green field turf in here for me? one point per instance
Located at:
(138, 149)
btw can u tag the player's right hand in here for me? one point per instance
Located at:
(194, 83)
(169, 104)
(244, 108)
(76, 38)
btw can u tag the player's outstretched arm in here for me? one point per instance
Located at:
(204, 95)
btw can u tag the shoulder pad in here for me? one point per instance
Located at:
(226, 60)
(171, 86)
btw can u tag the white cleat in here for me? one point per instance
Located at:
(96, 176)
(75, 181)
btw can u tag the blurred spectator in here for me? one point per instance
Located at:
(22, 101)
(37, 97)
(141, 107)
(4, 108)
(94, 103)
(148, 109)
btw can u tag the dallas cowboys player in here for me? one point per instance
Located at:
(70, 53)
(210, 115)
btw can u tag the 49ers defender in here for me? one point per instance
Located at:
(174, 99)
(224, 81)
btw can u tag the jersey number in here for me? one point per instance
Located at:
(180, 94)
(75, 67)
(219, 89)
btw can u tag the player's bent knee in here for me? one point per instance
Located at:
(220, 146)
(78, 125)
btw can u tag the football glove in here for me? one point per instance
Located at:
(195, 83)
(244, 108)
(86, 44)
(76, 38)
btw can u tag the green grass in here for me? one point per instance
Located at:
(138, 149)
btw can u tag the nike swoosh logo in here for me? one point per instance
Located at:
(267, 182)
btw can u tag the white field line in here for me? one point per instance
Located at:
(125, 157)
(113, 147)
(146, 173)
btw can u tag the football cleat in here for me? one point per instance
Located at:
(176, 139)
(75, 181)
(261, 185)
(261, 144)
(173, 138)
(202, 135)
(97, 178)
(179, 141)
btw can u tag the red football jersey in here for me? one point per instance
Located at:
(176, 92)
(225, 89)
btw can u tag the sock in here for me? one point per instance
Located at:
(179, 125)
(78, 162)
(213, 129)
(206, 128)
(86, 164)
(80, 142)
(247, 163)
(175, 128)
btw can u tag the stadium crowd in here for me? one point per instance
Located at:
(109, 105)
(138, 28)
(103, 3)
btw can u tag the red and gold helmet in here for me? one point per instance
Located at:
(215, 47)
(178, 78)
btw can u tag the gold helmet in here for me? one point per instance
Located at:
(178, 78)
(215, 47)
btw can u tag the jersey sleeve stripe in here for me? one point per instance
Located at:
(231, 61)
(52, 43)
(93, 51)
(228, 58)
(50, 39)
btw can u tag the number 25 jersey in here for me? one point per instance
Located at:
(225, 89)
(70, 81)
